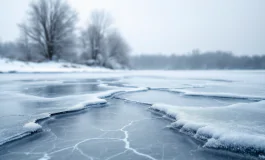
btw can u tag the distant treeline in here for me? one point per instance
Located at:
(199, 60)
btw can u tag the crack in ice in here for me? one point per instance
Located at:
(116, 155)
(127, 143)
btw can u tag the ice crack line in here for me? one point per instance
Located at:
(125, 140)
(76, 146)
(127, 143)
(116, 155)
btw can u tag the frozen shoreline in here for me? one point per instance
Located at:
(12, 66)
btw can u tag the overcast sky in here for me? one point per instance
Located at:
(168, 26)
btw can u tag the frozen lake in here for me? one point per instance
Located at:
(133, 115)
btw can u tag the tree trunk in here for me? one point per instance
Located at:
(50, 52)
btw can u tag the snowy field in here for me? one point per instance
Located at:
(13, 66)
(132, 115)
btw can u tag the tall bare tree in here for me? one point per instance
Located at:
(93, 37)
(118, 48)
(50, 26)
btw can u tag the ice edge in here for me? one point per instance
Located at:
(210, 140)
(97, 100)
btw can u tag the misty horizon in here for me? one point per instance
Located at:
(167, 27)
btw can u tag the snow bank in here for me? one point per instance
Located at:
(104, 85)
(97, 99)
(32, 126)
(90, 101)
(11, 66)
(218, 94)
(232, 128)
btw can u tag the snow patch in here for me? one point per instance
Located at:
(103, 85)
(45, 157)
(13, 66)
(98, 98)
(91, 101)
(217, 94)
(32, 126)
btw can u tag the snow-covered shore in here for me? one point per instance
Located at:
(12, 66)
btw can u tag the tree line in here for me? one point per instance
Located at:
(50, 33)
(199, 60)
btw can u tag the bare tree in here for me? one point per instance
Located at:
(24, 47)
(50, 26)
(93, 37)
(118, 48)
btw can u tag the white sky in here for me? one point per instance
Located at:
(168, 26)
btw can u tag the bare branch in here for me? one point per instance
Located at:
(50, 25)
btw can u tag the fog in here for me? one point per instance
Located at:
(198, 60)
(166, 27)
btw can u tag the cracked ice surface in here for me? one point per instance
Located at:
(120, 131)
